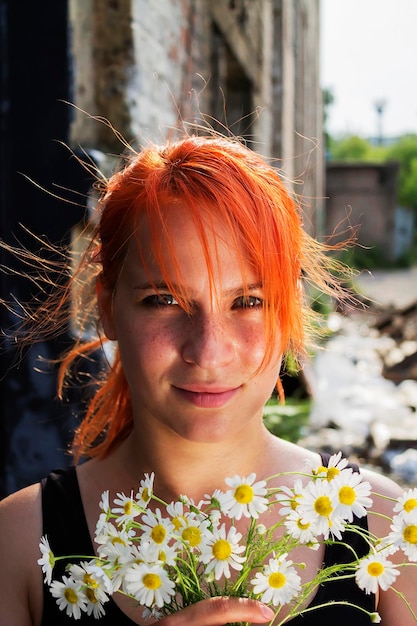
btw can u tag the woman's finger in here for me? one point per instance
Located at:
(219, 611)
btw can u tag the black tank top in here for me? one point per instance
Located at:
(66, 527)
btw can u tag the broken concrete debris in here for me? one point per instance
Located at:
(364, 390)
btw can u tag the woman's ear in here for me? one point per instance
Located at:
(105, 309)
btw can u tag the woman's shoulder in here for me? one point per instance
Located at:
(384, 492)
(17, 510)
(291, 457)
(20, 575)
(382, 484)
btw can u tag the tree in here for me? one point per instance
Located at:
(405, 152)
(351, 148)
(328, 100)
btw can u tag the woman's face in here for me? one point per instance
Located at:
(194, 374)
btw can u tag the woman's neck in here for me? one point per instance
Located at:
(192, 468)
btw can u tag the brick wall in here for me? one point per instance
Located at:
(364, 195)
(252, 65)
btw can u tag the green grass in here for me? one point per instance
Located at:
(287, 421)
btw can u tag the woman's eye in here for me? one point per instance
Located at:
(247, 302)
(160, 300)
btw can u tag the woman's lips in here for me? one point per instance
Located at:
(207, 398)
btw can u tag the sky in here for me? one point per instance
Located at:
(369, 55)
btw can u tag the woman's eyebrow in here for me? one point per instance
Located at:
(160, 284)
(243, 289)
(163, 286)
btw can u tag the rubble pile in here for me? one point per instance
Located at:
(364, 390)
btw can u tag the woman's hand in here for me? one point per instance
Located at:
(219, 611)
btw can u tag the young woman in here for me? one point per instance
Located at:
(199, 258)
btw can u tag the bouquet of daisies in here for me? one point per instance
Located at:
(171, 555)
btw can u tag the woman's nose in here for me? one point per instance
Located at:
(209, 343)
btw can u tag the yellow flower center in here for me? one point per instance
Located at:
(128, 507)
(277, 580)
(302, 526)
(410, 534)
(70, 596)
(375, 569)
(332, 472)
(151, 581)
(222, 550)
(294, 502)
(329, 472)
(146, 496)
(89, 580)
(192, 535)
(178, 522)
(158, 533)
(244, 494)
(118, 540)
(410, 504)
(91, 595)
(323, 506)
(162, 556)
(347, 495)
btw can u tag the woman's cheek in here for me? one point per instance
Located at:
(253, 340)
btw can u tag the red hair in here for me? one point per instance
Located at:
(211, 178)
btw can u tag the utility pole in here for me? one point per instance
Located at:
(380, 109)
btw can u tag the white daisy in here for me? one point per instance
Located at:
(245, 498)
(195, 534)
(290, 498)
(69, 596)
(145, 491)
(186, 500)
(215, 515)
(213, 500)
(113, 542)
(95, 600)
(373, 571)
(91, 575)
(47, 561)
(221, 551)
(386, 547)
(94, 584)
(179, 515)
(404, 533)
(104, 506)
(304, 532)
(150, 552)
(407, 502)
(153, 614)
(189, 528)
(131, 554)
(149, 584)
(335, 465)
(127, 508)
(278, 582)
(352, 495)
(318, 508)
(156, 528)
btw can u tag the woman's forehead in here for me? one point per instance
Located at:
(177, 228)
(182, 250)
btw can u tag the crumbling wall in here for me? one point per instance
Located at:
(251, 68)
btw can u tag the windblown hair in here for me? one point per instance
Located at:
(211, 178)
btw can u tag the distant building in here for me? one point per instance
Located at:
(364, 196)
